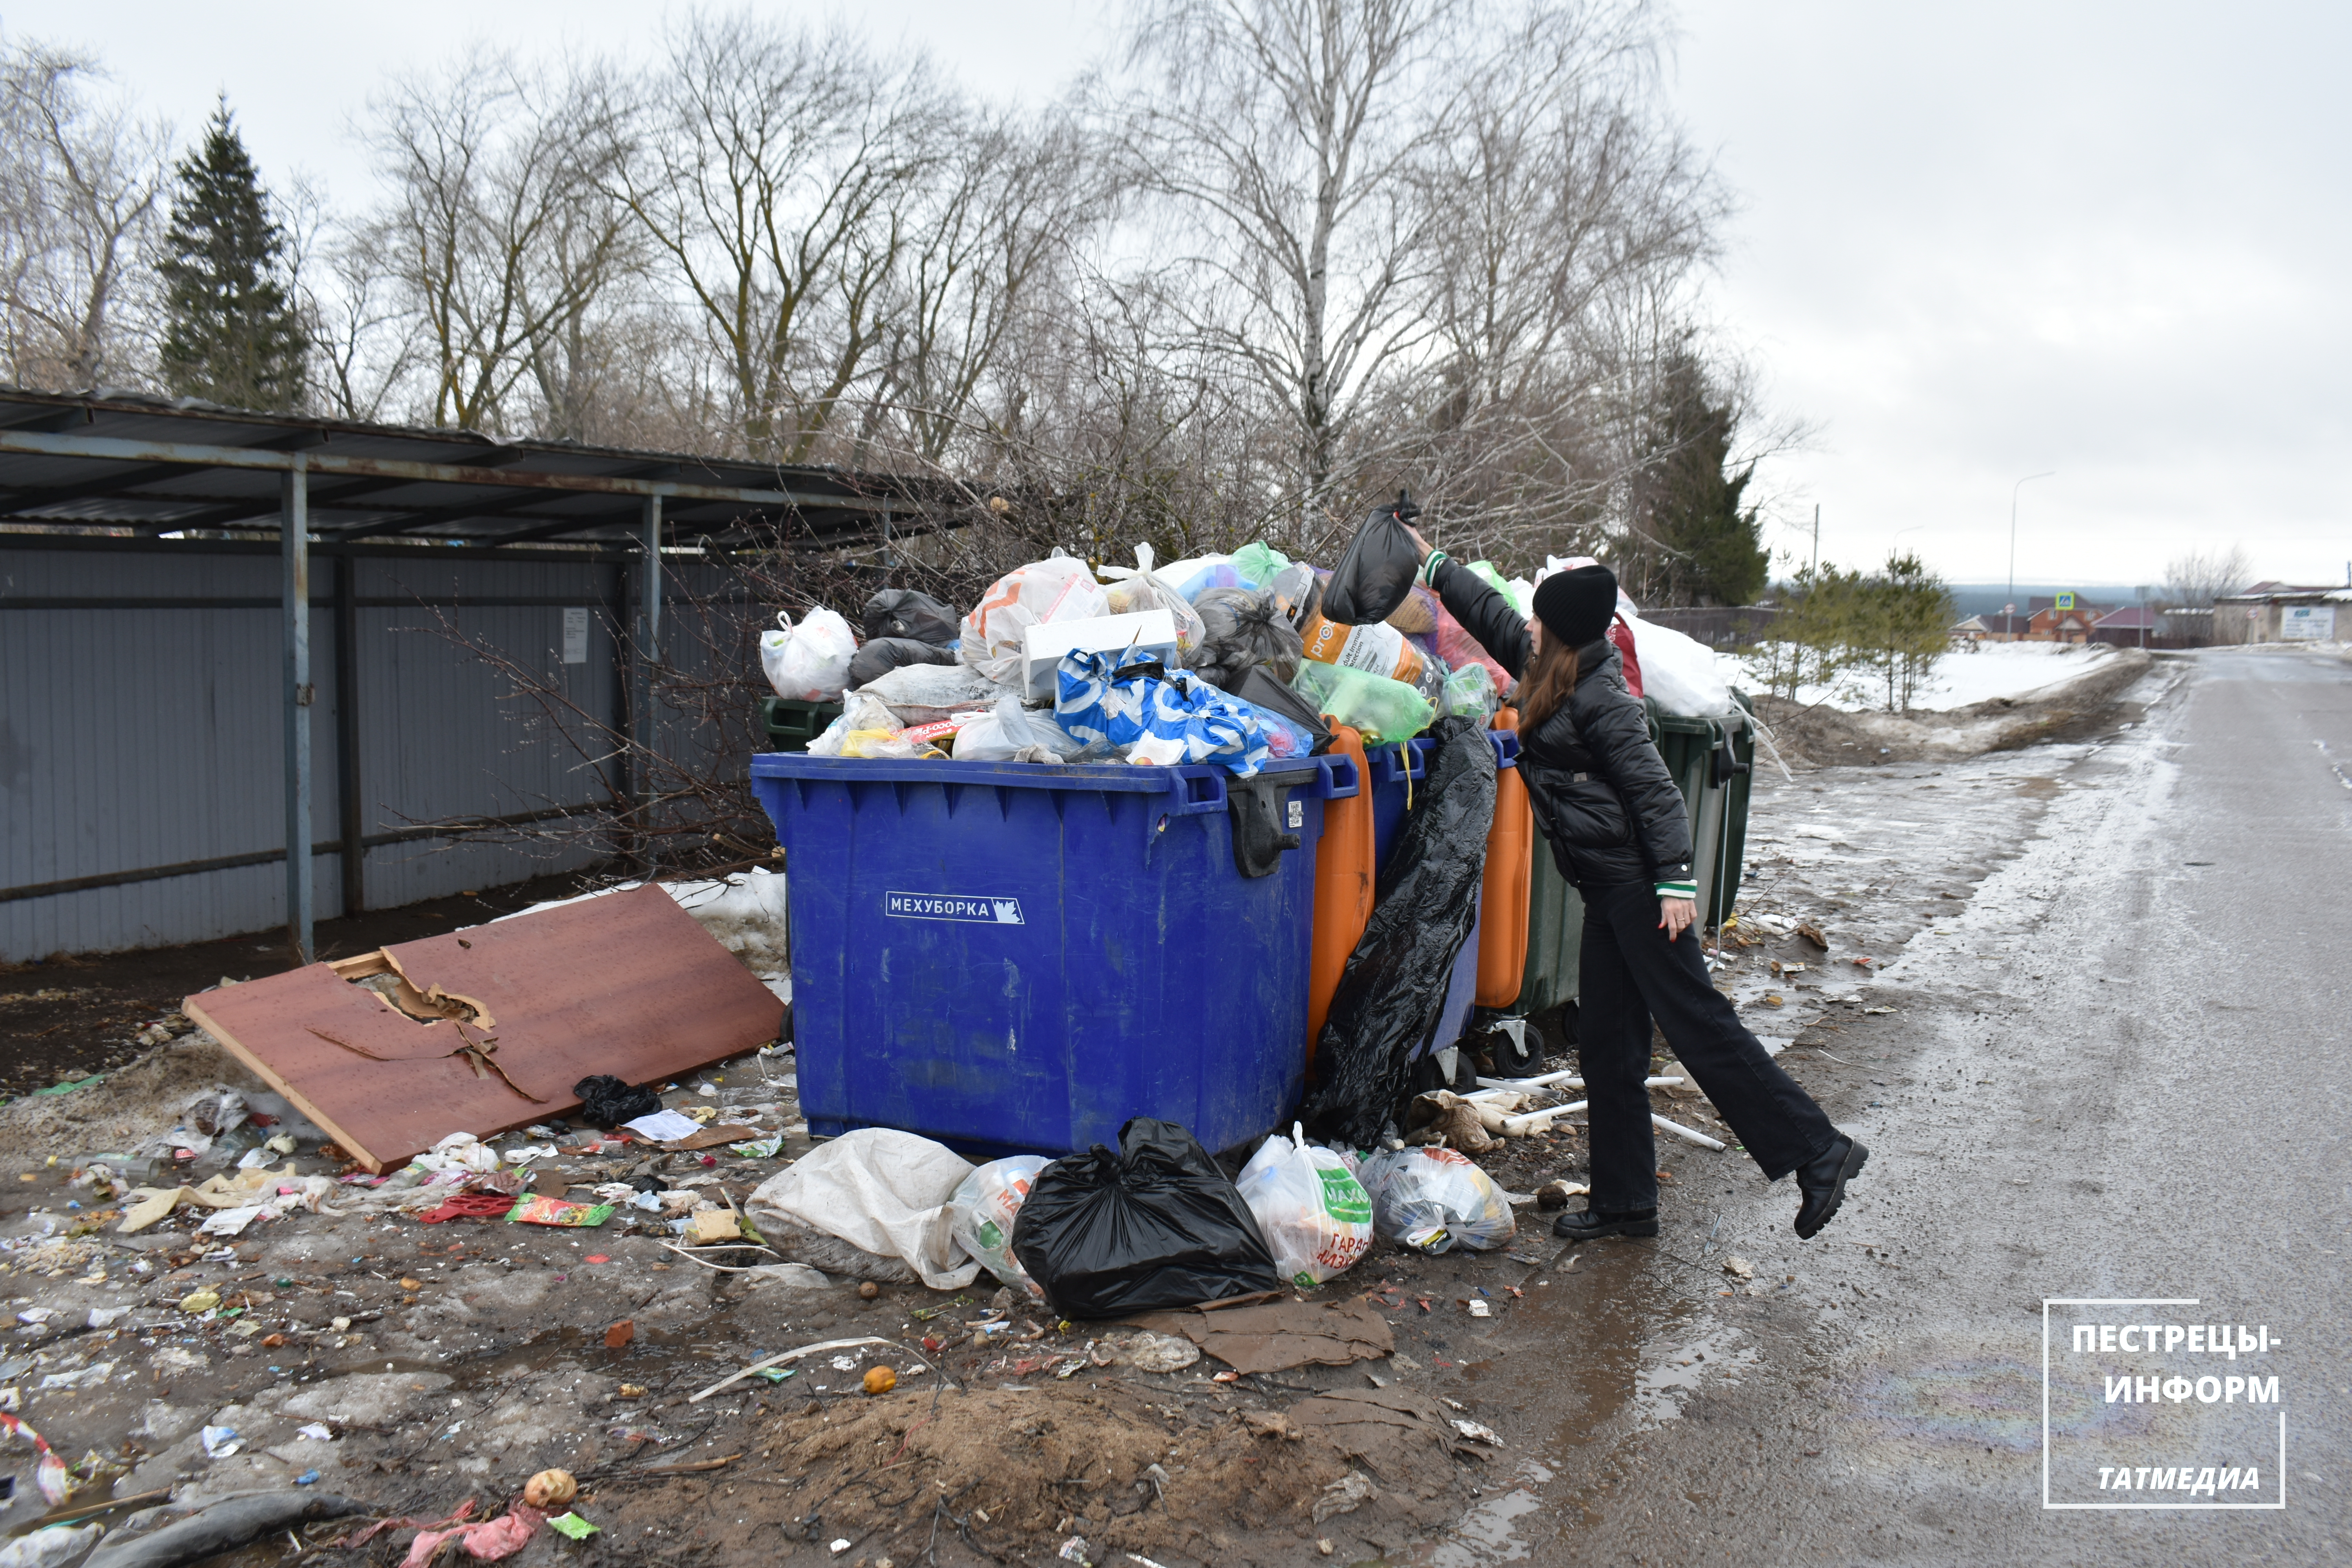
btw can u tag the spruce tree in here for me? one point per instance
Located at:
(1705, 547)
(233, 335)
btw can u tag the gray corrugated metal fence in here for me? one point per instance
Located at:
(141, 730)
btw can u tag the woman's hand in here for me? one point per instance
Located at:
(1674, 916)
(1418, 542)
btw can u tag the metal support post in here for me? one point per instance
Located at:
(354, 814)
(648, 653)
(294, 552)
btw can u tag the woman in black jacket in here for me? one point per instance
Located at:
(1616, 822)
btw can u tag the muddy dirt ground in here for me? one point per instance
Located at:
(437, 1363)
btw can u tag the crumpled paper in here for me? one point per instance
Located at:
(145, 1205)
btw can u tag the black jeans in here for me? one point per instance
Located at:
(1629, 973)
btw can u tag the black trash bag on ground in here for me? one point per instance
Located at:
(1376, 572)
(880, 656)
(1156, 1224)
(608, 1102)
(905, 613)
(1243, 629)
(1390, 995)
(1260, 688)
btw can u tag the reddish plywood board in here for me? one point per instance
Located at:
(627, 984)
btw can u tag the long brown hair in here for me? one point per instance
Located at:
(1550, 677)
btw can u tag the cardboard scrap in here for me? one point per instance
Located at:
(1273, 1335)
(1380, 1426)
(710, 1138)
(488, 1031)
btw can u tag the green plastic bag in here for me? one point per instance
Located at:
(1485, 572)
(1470, 694)
(1256, 565)
(1381, 708)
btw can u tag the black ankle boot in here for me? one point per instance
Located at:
(1590, 1225)
(1822, 1180)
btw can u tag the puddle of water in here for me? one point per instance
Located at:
(1489, 1531)
(652, 1351)
(1982, 1401)
(1680, 1364)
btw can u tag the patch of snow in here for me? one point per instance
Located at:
(1993, 669)
(745, 912)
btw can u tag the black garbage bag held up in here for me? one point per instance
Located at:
(1392, 991)
(880, 656)
(1156, 1224)
(1377, 570)
(907, 613)
(608, 1102)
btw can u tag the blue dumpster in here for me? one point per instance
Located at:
(1014, 958)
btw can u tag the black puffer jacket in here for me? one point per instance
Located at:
(1601, 792)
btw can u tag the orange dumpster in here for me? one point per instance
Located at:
(1343, 888)
(1503, 918)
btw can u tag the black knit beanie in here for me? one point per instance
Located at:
(1576, 605)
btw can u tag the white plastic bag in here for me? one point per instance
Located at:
(882, 1191)
(1057, 588)
(859, 712)
(927, 693)
(1680, 672)
(980, 1215)
(810, 662)
(1434, 1200)
(1135, 588)
(1008, 732)
(1315, 1216)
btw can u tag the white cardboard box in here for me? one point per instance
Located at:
(1152, 634)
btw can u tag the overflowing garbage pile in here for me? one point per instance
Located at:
(1236, 660)
(1230, 659)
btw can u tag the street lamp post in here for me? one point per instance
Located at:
(2011, 611)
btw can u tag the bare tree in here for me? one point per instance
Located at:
(776, 171)
(502, 237)
(2194, 579)
(81, 183)
(981, 256)
(1289, 136)
(1574, 221)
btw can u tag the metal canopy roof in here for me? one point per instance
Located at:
(112, 460)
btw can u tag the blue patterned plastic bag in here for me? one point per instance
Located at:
(1167, 719)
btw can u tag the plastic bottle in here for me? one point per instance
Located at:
(230, 1145)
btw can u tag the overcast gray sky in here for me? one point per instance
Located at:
(1975, 242)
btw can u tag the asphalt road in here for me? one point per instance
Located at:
(2121, 1074)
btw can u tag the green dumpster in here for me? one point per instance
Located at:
(791, 723)
(1713, 762)
(1555, 927)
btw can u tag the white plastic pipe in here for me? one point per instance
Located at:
(1542, 1081)
(1679, 1131)
(1537, 1120)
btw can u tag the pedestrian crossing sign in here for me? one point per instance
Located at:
(2065, 601)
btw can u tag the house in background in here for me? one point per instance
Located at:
(2134, 625)
(2282, 611)
(2047, 621)
(1991, 626)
